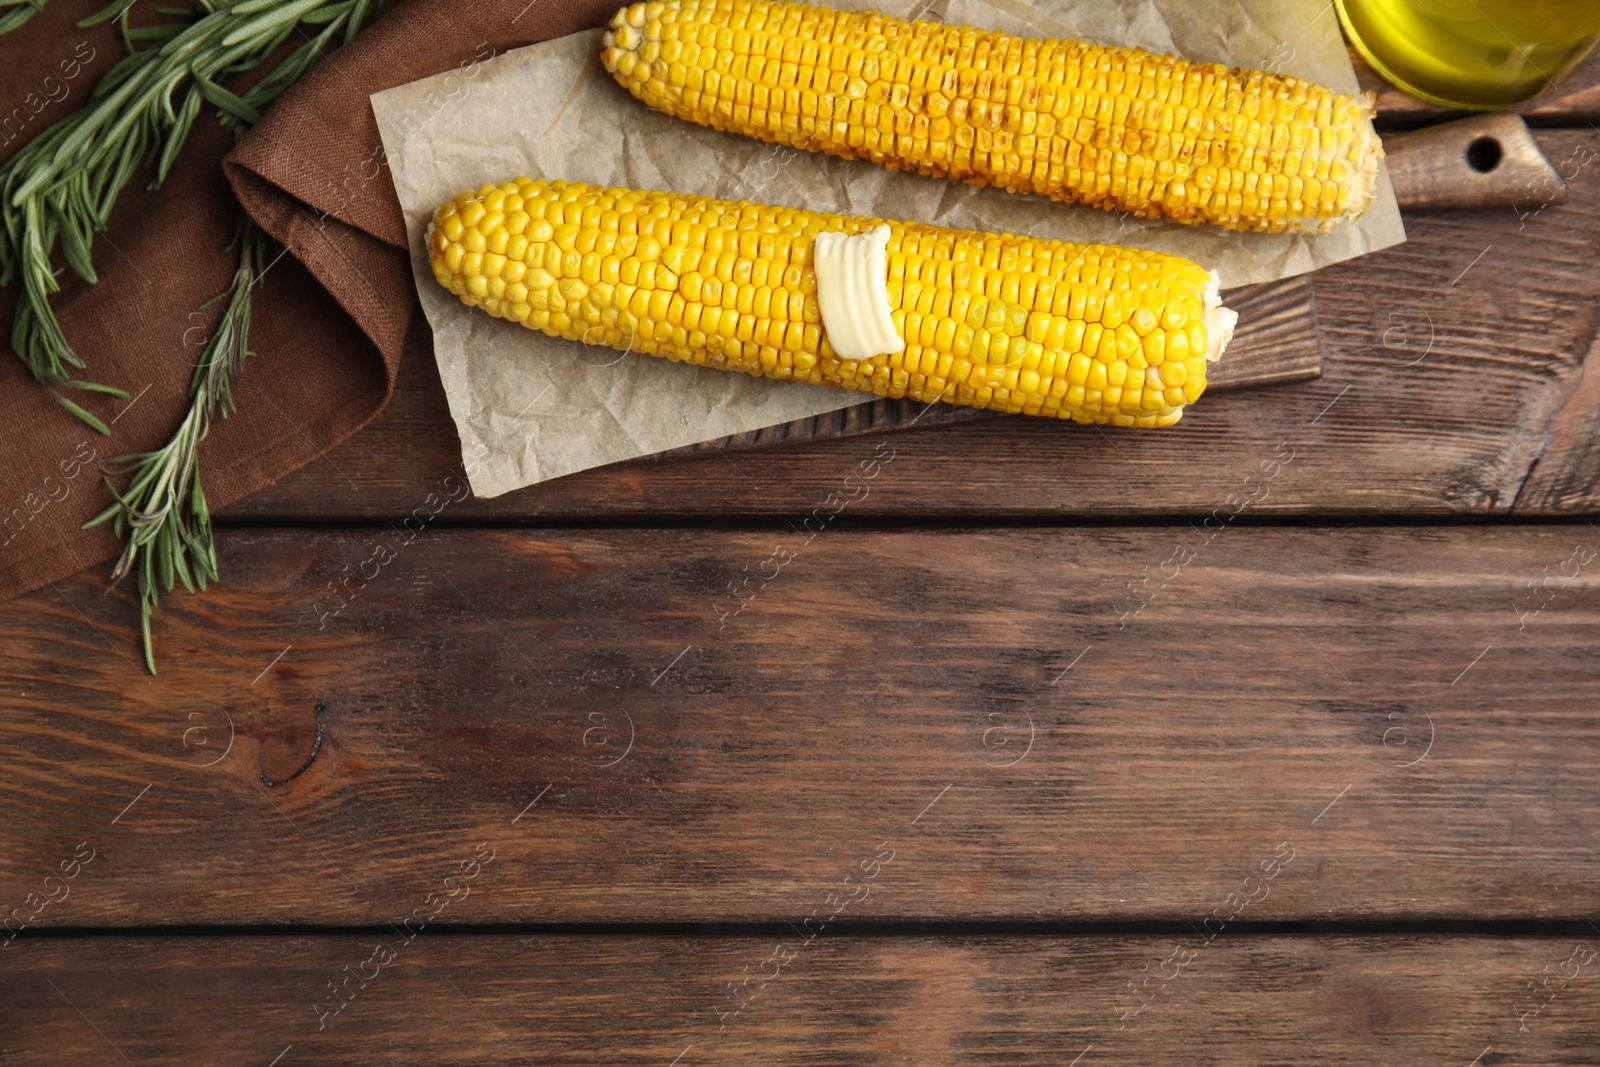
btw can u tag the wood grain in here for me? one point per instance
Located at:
(1276, 342)
(1394, 705)
(1566, 478)
(1291, 1001)
(1405, 713)
(1446, 360)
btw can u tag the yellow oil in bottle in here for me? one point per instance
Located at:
(1473, 54)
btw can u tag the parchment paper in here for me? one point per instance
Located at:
(530, 407)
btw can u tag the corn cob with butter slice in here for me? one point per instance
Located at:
(1118, 128)
(1092, 333)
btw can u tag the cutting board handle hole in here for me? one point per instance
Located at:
(1484, 154)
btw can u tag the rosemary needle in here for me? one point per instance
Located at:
(14, 13)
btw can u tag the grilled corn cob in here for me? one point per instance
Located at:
(1118, 128)
(1092, 333)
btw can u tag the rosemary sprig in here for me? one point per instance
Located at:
(58, 191)
(163, 508)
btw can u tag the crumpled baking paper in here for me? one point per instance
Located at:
(530, 407)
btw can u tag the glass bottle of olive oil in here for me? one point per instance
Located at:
(1475, 55)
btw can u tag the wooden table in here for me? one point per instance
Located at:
(1269, 738)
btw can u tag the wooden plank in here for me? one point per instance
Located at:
(996, 707)
(1445, 362)
(1566, 478)
(1575, 102)
(1277, 335)
(1276, 343)
(654, 1001)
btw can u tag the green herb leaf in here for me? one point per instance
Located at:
(277, 16)
(227, 101)
(93, 422)
(75, 246)
(14, 13)
(180, 133)
(107, 13)
(95, 387)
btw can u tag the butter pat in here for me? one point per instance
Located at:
(853, 293)
(1220, 321)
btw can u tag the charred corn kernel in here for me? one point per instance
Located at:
(989, 320)
(1119, 128)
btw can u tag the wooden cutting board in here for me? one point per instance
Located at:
(1276, 342)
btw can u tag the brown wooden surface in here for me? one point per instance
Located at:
(1361, 694)
(1566, 479)
(1446, 361)
(1291, 1001)
(1407, 712)
(1276, 342)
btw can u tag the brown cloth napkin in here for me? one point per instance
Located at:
(330, 317)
